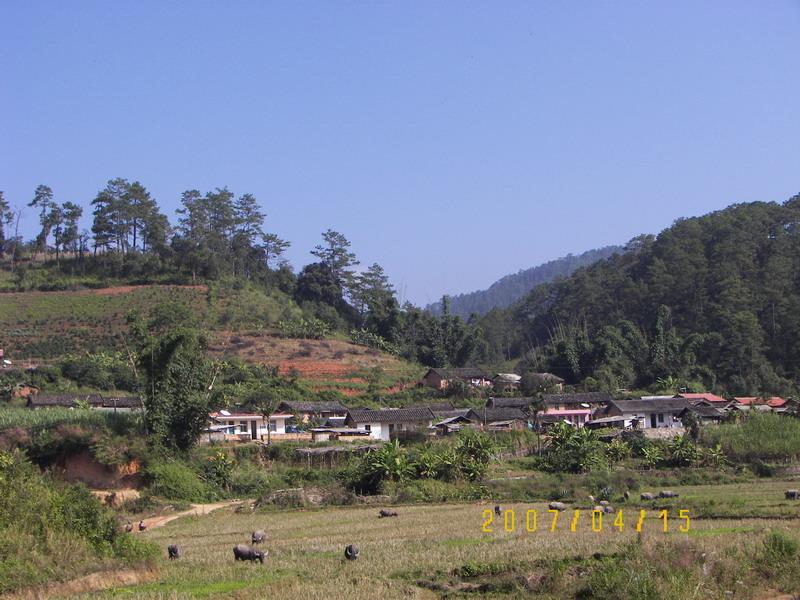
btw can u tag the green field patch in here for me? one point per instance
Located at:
(719, 531)
(199, 589)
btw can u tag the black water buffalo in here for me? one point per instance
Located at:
(245, 552)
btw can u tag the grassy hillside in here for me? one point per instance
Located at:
(45, 326)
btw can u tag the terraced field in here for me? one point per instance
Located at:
(43, 326)
(46, 325)
(438, 551)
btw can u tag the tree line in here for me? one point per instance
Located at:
(220, 236)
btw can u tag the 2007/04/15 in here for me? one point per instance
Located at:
(531, 520)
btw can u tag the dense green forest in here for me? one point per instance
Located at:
(509, 289)
(711, 302)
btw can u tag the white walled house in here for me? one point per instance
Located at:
(386, 423)
(648, 414)
(250, 424)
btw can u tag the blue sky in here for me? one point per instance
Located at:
(451, 142)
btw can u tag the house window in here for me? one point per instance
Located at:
(273, 426)
(660, 417)
(367, 428)
(243, 427)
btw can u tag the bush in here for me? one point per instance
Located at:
(176, 481)
(760, 436)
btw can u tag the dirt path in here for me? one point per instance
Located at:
(196, 510)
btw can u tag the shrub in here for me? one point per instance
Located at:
(176, 481)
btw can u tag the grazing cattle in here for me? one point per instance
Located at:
(667, 494)
(258, 536)
(626, 495)
(597, 508)
(608, 509)
(142, 526)
(245, 552)
(792, 494)
(557, 506)
(647, 496)
(351, 552)
(173, 551)
(592, 499)
(128, 527)
(386, 513)
(497, 510)
(604, 503)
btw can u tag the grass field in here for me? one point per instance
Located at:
(437, 551)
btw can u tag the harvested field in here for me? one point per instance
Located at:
(437, 551)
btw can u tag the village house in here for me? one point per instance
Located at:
(772, 402)
(452, 421)
(501, 418)
(305, 411)
(704, 413)
(94, 401)
(385, 424)
(506, 382)
(646, 414)
(441, 378)
(711, 399)
(249, 425)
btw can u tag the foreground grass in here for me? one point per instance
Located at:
(433, 551)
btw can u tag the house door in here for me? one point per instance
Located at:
(254, 430)
(653, 420)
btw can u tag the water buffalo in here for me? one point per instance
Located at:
(557, 506)
(351, 552)
(245, 552)
(258, 536)
(792, 494)
(174, 551)
(647, 496)
(667, 494)
(386, 513)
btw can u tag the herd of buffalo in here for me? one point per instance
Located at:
(351, 552)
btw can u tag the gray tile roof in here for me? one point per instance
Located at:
(581, 398)
(390, 415)
(638, 406)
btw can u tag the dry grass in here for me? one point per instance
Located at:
(424, 544)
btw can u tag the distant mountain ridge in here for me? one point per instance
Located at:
(510, 288)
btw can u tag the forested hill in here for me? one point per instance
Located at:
(712, 301)
(507, 290)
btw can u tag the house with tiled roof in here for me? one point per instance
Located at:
(441, 378)
(647, 414)
(385, 424)
(712, 399)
